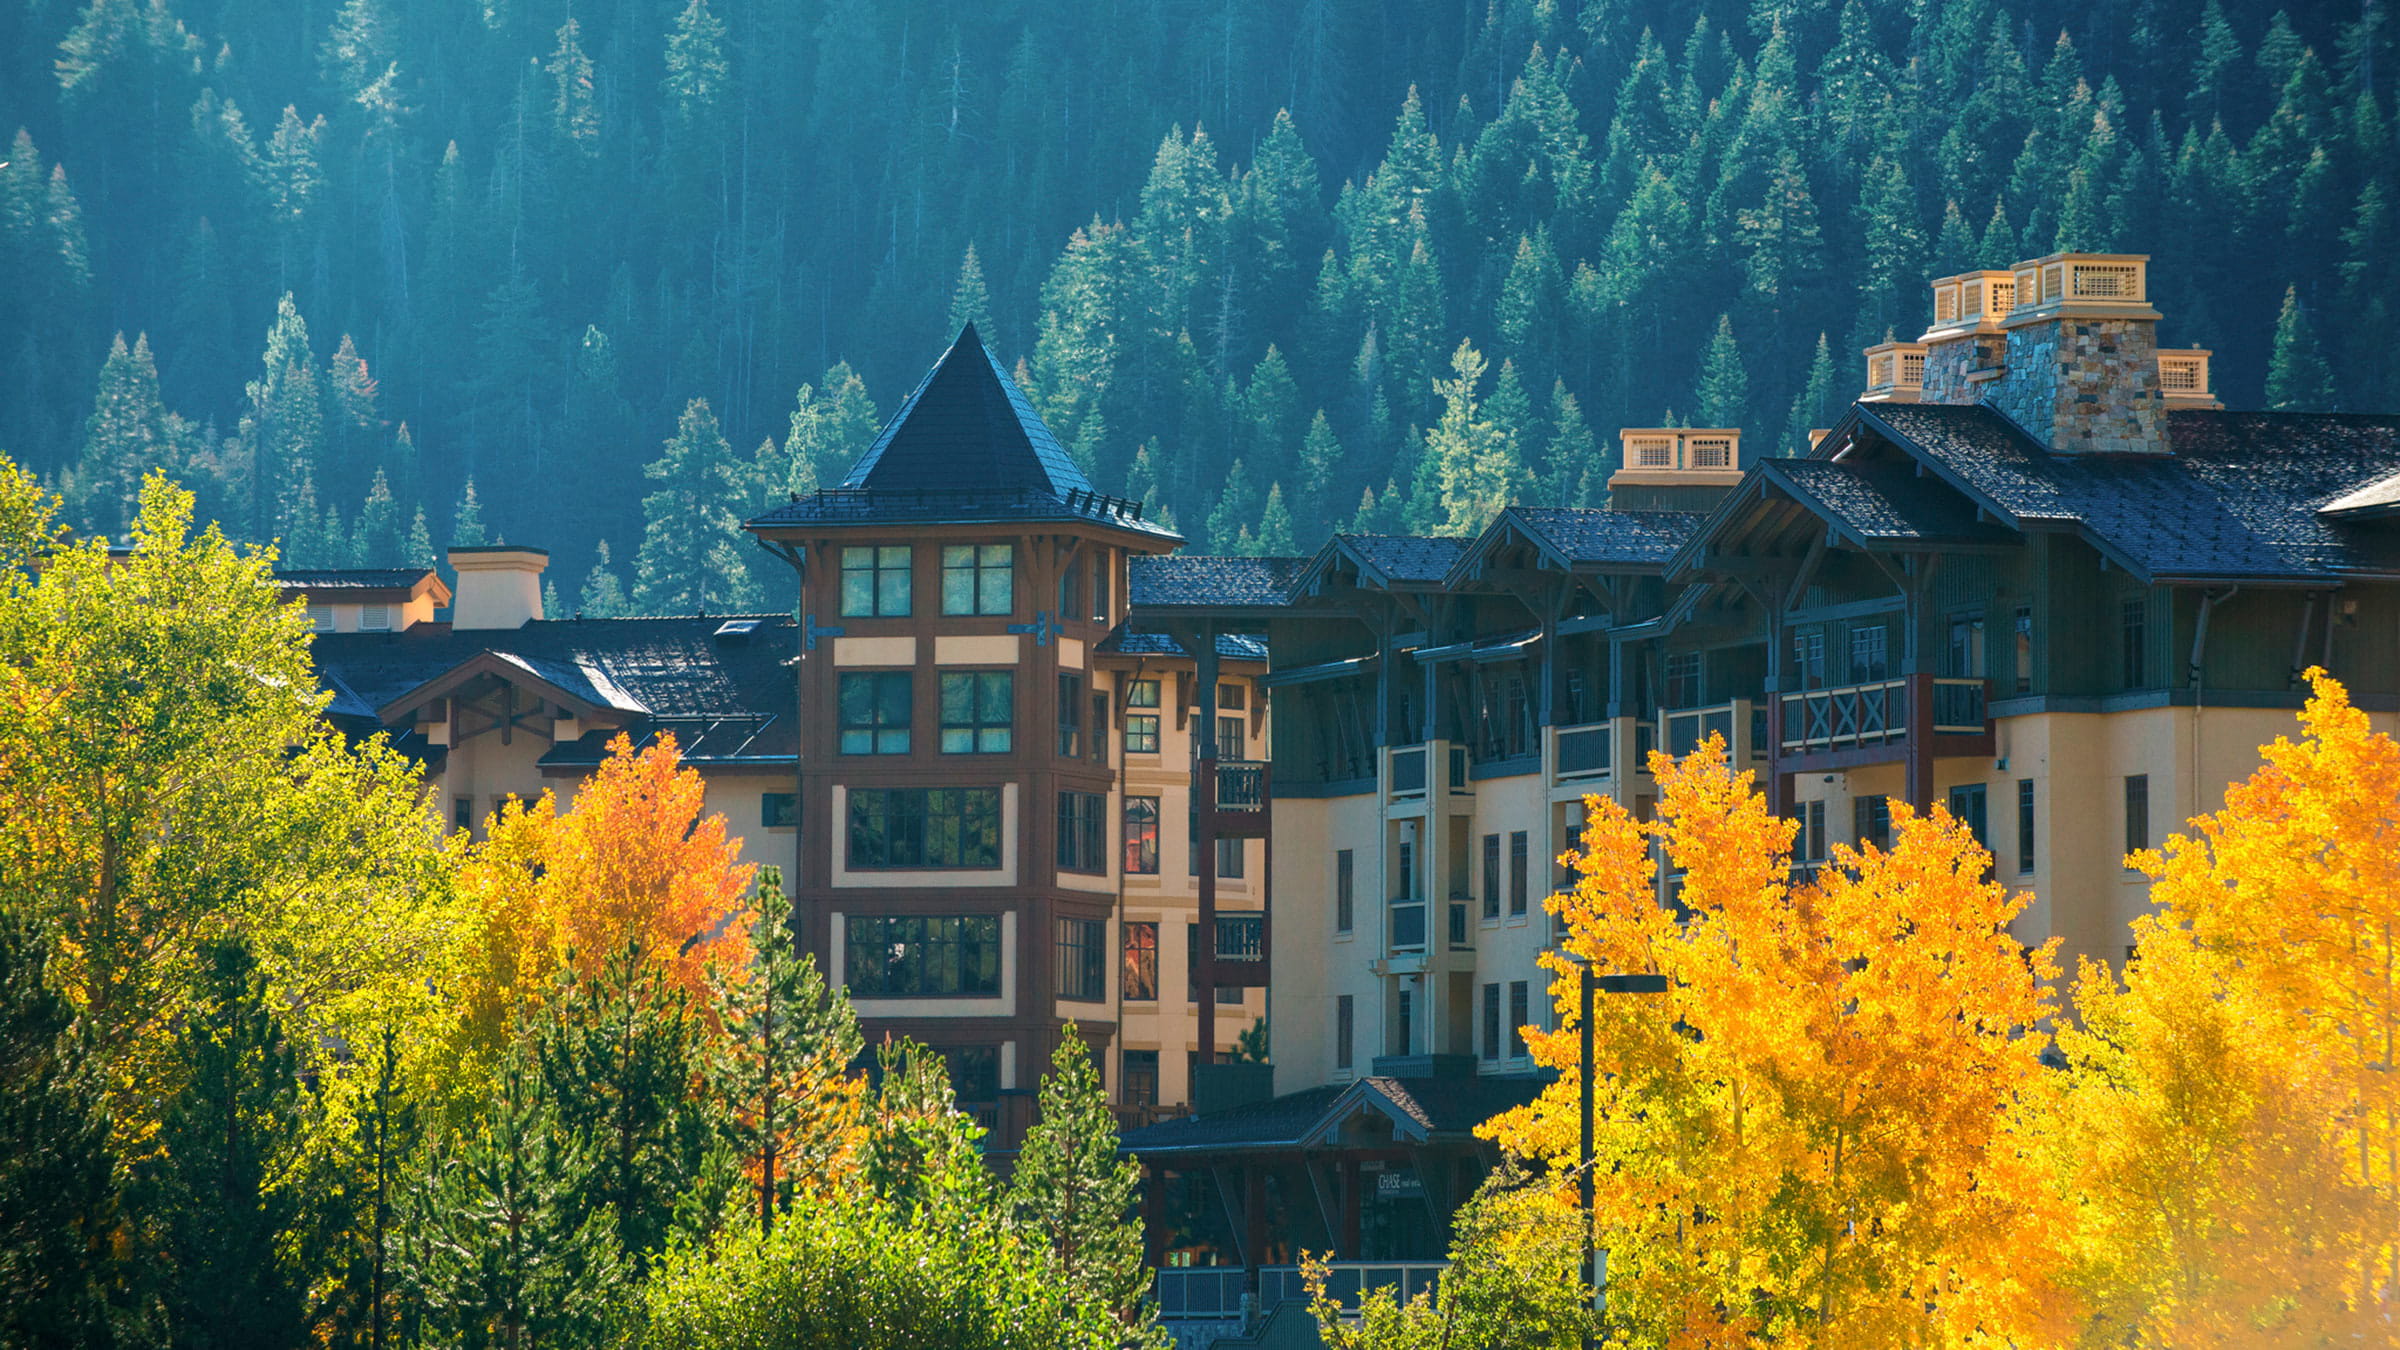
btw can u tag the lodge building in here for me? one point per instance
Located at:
(2035, 574)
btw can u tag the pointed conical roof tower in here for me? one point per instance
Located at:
(966, 445)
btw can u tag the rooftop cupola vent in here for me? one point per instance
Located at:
(1895, 373)
(2082, 285)
(2183, 378)
(1675, 468)
(1971, 302)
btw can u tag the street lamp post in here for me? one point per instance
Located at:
(1595, 1277)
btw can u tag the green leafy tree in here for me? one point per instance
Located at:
(60, 1284)
(1515, 1281)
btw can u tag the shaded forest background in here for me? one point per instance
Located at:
(381, 275)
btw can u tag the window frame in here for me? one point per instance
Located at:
(1520, 872)
(1070, 715)
(1082, 845)
(1133, 830)
(1345, 1031)
(876, 731)
(1491, 1021)
(1520, 1016)
(969, 943)
(2026, 853)
(990, 581)
(2133, 643)
(1491, 876)
(1345, 890)
(1082, 952)
(1138, 960)
(771, 819)
(977, 730)
(880, 574)
(2137, 812)
(968, 808)
(1141, 733)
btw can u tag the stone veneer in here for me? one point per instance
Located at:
(2083, 385)
(1947, 361)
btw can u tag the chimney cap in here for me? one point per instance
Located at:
(493, 550)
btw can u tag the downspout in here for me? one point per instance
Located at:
(2208, 605)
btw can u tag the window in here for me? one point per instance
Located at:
(1100, 727)
(1966, 654)
(374, 618)
(1140, 975)
(320, 618)
(1232, 737)
(1967, 803)
(1491, 1021)
(924, 827)
(978, 711)
(875, 712)
(1083, 960)
(1141, 733)
(1683, 679)
(1519, 863)
(1491, 876)
(2137, 812)
(1070, 592)
(1142, 694)
(1140, 1079)
(1578, 698)
(1407, 880)
(1345, 890)
(979, 579)
(910, 956)
(1404, 1022)
(1082, 832)
(1520, 1012)
(1870, 656)
(2024, 644)
(778, 810)
(1141, 836)
(1100, 591)
(462, 813)
(1070, 716)
(1871, 821)
(1230, 856)
(1812, 832)
(875, 582)
(1345, 1030)
(974, 1071)
(1808, 660)
(2134, 623)
(2024, 826)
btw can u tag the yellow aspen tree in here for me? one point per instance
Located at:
(1807, 1139)
(2231, 1135)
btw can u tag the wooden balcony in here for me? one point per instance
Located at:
(1741, 723)
(1242, 798)
(1872, 722)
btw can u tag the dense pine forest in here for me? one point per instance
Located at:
(371, 276)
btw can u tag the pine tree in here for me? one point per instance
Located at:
(1999, 247)
(1815, 405)
(1572, 469)
(688, 561)
(970, 299)
(128, 434)
(1722, 397)
(1955, 249)
(1320, 463)
(58, 1196)
(1275, 534)
(282, 425)
(697, 71)
(794, 1112)
(466, 524)
(303, 543)
(214, 1188)
(603, 595)
(418, 552)
(510, 1252)
(378, 542)
(574, 107)
(1470, 463)
(1075, 1193)
(2298, 379)
(1236, 507)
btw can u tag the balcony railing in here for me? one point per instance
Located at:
(1347, 1281)
(1583, 751)
(1408, 925)
(1241, 937)
(1864, 716)
(1241, 785)
(1408, 771)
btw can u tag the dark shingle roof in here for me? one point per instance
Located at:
(2239, 497)
(965, 446)
(1127, 640)
(663, 672)
(1406, 558)
(1584, 535)
(1883, 502)
(1198, 580)
(1281, 1121)
(1428, 1106)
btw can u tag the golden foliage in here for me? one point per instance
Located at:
(1807, 1139)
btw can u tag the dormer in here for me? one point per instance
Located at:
(366, 599)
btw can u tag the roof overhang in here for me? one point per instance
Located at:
(514, 670)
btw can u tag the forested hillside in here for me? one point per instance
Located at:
(415, 271)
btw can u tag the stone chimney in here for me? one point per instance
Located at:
(499, 586)
(1675, 468)
(2082, 363)
(1965, 349)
